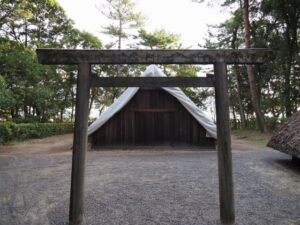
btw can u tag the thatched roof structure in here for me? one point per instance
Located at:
(287, 138)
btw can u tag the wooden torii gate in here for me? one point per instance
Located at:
(85, 80)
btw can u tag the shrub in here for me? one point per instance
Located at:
(6, 132)
(27, 119)
(10, 132)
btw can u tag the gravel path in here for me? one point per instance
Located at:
(149, 187)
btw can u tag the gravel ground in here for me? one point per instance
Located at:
(149, 187)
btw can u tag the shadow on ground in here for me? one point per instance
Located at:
(288, 164)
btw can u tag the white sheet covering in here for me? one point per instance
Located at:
(154, 71)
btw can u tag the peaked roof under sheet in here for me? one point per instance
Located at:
(154, 71)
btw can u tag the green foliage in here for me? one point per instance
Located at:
(29, 83)
(197, 95)
(285, 21)
(273, 123)
(35, 92)
(124, 21)
(10, 132)
(35, 23)
(159, 39)
(6, 98)
(103, 97)
(275, 25)
(79, 39)
(30, 92)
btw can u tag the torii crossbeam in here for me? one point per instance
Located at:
(85, 80)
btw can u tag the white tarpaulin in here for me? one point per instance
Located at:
(154, 71)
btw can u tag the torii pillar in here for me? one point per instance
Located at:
(219, 58)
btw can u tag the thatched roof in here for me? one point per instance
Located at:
(287, 138)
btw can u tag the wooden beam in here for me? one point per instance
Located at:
(154, 110)
(79, 146)
(152, 82)
(229, 56)
(224, 145)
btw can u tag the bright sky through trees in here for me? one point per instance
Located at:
(36, 93)
(183, 17)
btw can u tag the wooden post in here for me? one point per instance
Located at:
(224, 145)
(79, 145)
(220, 58)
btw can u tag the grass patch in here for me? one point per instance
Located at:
(262, 143)
(253, 137)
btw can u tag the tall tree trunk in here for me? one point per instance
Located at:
(72, 113)
(72, 105)
(253, 91)
(92, 98)
(12, 113)
(287, 92)
(26, 35)
(61, 115)
(38, 114)
(120, 34)
(290, 51)
(235, 126)
(25, 110)
(241, 107)
(238, 81)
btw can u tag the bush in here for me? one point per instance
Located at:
(27, 119)
(10, 132)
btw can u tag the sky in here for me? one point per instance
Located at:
(184, 17)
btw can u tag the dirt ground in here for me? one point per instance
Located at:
(48, 145)
(145, 187)
(63, 144)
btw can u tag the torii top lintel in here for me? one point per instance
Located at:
(207, 56)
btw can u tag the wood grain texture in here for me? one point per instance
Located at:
(224, 145)
(152, 118)
(79, 146)
(151, 82)
(229, 56)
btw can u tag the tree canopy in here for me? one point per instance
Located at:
(274, 24)
(33, 92)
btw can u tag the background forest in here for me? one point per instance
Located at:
(261, 97)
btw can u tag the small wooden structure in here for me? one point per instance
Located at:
(287, 138)
(219, 58)
(152, 117)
